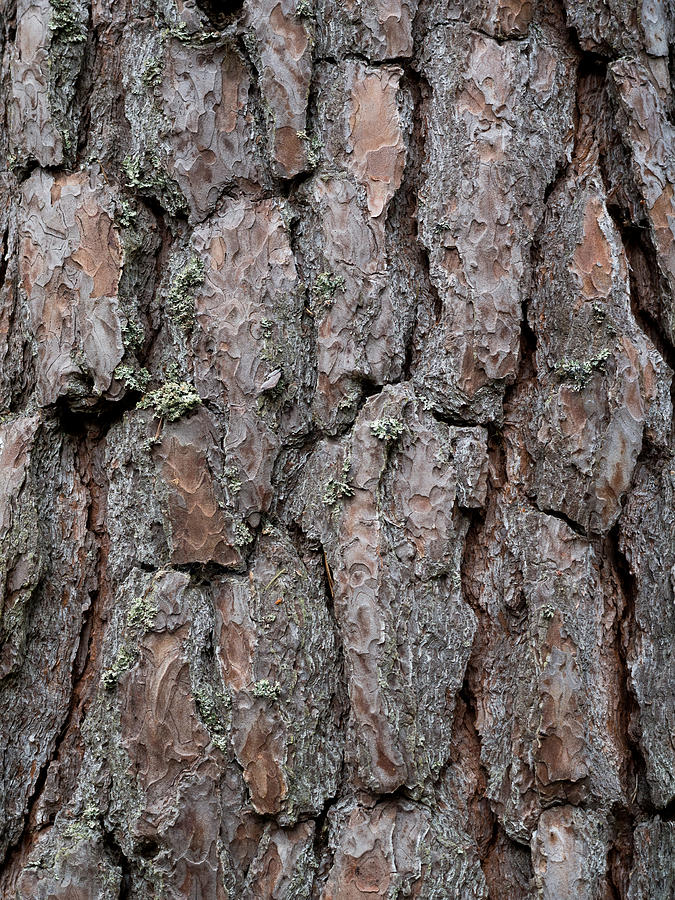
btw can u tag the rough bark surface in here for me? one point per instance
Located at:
(337, 462)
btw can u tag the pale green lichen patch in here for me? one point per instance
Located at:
(339, 487)
(304, 9)
(232, 478)
(133, 334)
(325, 288)
(152, 72)
(209, 704)
(578, 373)
(134, 379)
(242, 534)
(172, 400)
(266, 689)
(144, 172)
(313, 145)
(180, 32)
(181, 296)
(65, 23)
(387, 429)
(126, 213)
(86, 825)
(124, 660)
(142, 612)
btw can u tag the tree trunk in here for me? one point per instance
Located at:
(337, 521)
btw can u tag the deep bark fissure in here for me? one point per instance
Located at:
(120, 859)
(3, 257)
(629, 706)
(83, 90)
(84, 666)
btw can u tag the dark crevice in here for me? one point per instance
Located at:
(561, 173)
(306, 545)
(624, 204)
(9, 16)
(3, 260)
(620, 856)
(637, 787)
(646, 291)
(23, 171)
(470, 570)
(667, 813)
(84, 90)
(220, 13)
(455, 421)
(322, 851)
(402, 225)
(503, 38)
(287, 187)
(98, 419)
(558, 514)
(590, 106)
(368, 388)
(527, 351)
(421, 91)
(119, 859)
(483, 813)
(18, 850)
(83, 672)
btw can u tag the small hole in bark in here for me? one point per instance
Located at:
(220, 12)
(148, 849)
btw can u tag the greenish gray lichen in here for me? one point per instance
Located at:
(65, 23)
(242, 534)
(233, 480)
(313, 145)
(179, 30)
(578, 373)
(86, 825)
(132, 378)
(133, 334)
(387, 428)
(181, 296)
(209, 703)
(126, 213)
(144, 172)
(304, 9)
(172, 400)
(124, 660)
(266, 690)
(338, 487)
(325, 287)
(142, 612)
(152, 72)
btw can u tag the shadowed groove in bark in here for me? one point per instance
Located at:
(637, 786)
(220, 12)
(86, 663)
(3, 257)
(118, 858)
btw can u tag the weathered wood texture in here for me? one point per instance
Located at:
(337, 472)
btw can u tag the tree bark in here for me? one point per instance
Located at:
(337, 521)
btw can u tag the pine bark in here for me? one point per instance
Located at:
(337, 515)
